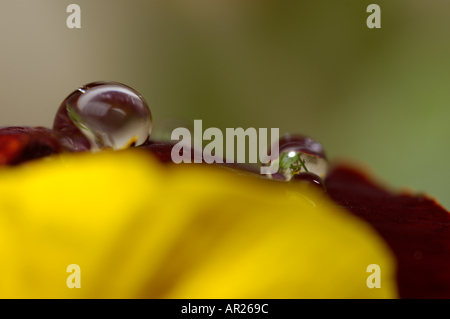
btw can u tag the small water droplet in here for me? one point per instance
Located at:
(298, 154)
(110, 115)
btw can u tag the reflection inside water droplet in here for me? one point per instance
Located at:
(110, 115)
(299, 154)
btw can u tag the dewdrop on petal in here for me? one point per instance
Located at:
(110, 115)
(298, 154)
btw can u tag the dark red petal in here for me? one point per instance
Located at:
(416, 228)
(20, 144)
(11, 147)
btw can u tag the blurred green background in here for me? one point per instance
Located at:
(378, 96)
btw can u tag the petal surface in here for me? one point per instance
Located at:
(140, 229)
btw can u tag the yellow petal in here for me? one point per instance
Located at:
(140, 229)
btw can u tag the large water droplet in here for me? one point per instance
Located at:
(109, 114)
(299, 154)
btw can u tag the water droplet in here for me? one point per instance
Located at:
(298, 154)
(109, 114)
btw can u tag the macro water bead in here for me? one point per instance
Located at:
(299, 154)
(108, 114)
